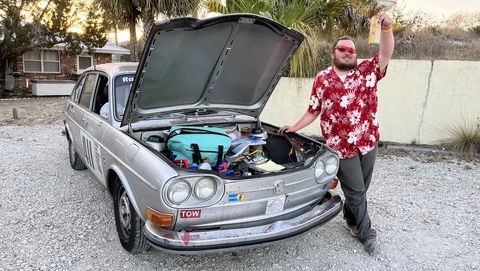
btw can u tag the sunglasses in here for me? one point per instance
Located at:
(344, 49)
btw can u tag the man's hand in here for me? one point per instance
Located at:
(305, 120)
(287, 129)
(385, 21)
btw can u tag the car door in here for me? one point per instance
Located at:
(72, 113)
(83, 110)
(78, 108)
(94, 125)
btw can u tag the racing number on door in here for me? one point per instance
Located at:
(87, 151)
(91, 151)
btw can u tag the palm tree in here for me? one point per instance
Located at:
(152, 8)
(127, 12)
(355, 16)
(130, 12)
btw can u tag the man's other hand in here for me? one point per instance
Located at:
(287, 129)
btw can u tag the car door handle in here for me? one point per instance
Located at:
(84, 121)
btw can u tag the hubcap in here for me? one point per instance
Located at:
(124, 212)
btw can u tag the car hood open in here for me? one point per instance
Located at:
(230, 62)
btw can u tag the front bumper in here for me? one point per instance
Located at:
(198, 242)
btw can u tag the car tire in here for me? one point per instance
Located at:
(75, 161)
(129, 225)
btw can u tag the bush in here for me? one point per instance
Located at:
(465, 137)
(476, 29)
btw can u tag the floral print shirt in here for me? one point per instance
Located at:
(348, 109)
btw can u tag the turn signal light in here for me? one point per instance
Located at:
(334, 183)
(159, 219)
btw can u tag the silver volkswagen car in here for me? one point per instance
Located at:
(177, 140)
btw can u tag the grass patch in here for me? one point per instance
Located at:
(464, 137)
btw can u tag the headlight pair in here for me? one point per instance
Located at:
(328, 166)
(180, 190)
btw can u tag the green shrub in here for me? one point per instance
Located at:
(476, 29)
(464, 136)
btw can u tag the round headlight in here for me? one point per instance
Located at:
(205, 188)
(331, 165)
(319, 169)
(179, 192)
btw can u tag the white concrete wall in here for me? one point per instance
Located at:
(418, 100)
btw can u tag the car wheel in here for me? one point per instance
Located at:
(129, 225)
(75, 161)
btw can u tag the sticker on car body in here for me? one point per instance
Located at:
(275, 205)
(236, 197)
(190, 213)
(91, 152)
(187, 237)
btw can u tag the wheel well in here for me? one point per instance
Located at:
(112, 178)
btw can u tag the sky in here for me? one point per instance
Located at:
(441, 7)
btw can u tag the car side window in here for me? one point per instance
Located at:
(87, 91)
(77, 90)
(101, 93)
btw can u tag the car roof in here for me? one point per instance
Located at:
(113, 69)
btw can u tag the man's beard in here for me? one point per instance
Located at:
(344, 66)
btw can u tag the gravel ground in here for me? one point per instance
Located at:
(425, 209)
(48, 110)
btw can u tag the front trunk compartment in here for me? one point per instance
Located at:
(250, 196)
(257, 149)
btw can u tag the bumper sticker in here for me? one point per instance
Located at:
(275, 205)
(187, 237)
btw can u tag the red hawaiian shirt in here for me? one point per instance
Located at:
(348, 109)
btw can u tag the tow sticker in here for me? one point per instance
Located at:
(190, 213)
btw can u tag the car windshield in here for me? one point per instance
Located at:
(123, 83)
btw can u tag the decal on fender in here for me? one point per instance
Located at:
(91, 153)
(190, 213)
(236, 197)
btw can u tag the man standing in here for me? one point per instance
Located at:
(344, 96)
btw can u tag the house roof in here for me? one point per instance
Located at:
(111, 48)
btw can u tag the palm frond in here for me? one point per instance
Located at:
(215, 6)
(176, 8)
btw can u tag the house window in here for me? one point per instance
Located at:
(83, 62)
(41, 61)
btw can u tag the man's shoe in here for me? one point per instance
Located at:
(352, 229)
(370, 244)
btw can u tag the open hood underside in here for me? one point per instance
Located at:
(229, 62)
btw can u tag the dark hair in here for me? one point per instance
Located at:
(342, 38)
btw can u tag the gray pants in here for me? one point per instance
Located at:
(355, 174)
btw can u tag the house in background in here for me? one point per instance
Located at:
(52, 72)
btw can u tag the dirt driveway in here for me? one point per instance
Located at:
(32, 111)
